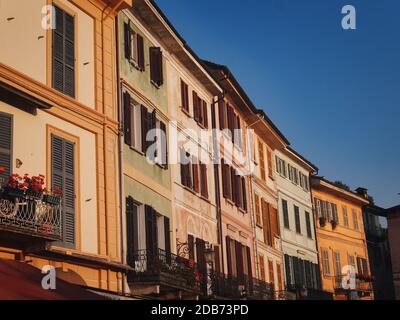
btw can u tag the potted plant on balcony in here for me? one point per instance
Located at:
(15, 187)
(53, 198)
(35, 186)
(2, 170)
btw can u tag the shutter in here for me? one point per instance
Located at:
(156, 68)
(127, 40)
(249, 265)
(69, 55)
(217, 266)
(131, 230)
(200, 248)
(127, 119)
(266, 225)
(234, 186)
(191, 246)
(239, 261)
(288, 271)
(229, 255)
(63, 178)
(244, 193)
(270, 164)
(203, 179)
(205, 115)
(184, 177)
(58, 51)
(222, 114)
(6, 125)
(140, 48)
(164, 145)
(151, 231)
(145, 125)
(167, 234)
(196, 111)
(183, 96)
(195, 170)
(231, 120)
(225, 172)
(276, 222)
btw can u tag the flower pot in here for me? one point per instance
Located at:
(14, 193)
(35, 195)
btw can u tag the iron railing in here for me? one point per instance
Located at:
(164, 268)
(360, 285)
(30, 216)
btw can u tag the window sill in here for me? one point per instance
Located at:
(134, 64)
(259, 225)
(186, 112)
(137, 151)
(158, 86)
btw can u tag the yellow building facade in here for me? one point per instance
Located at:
(341, 240)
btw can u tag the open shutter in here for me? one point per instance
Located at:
(167, 234)
(222, 114)
(127, 41)
(151, 231)
(156, 68)
(217, 265)
(234, 187)
(164, 145)
(249, 265)
(244, 194)
(225, 172)
(140, 48)
(200, 249)
(195, 170)
(6, 124)
(191, 246)
(127, 119)
(63, 178)
(266, 222)
(239, 260)
(145, 127)
(205, 115)
(203, 179)
(229, 255)
(131, 230)
(184, 177)
(196, 108)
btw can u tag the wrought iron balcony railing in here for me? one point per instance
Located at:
(360, 285)
(164, 268)
(30, 216)
(233, 288)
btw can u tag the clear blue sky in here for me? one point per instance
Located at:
(335, 94)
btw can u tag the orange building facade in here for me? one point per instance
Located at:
(341, 241)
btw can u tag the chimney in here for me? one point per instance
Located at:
(363, 192)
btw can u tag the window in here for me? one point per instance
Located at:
(293, 174)
(325, 262)
(261, 160)
(138, 122)
(318, 207)
(6, 142)
(258, 209)
(352, 261)
(297, 219)
(271, 227)
(271, 273)
(194, 174)
(200, 110)
(285, 210)
(134, 47)
(304, 183)
(362, 266)
(337, 263)
(345, 217)
(156, 66)
(355, 220)
(184, 96)
(335, 216)
(281, 166)
(270, 164)
(63, 178)
(228, 119)
(262, 268)
(308, 224)
(63, 53)
(234, 186)
(329, 211)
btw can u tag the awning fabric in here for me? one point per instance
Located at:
(21, 281)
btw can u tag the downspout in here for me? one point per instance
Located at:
(120, 153)
(216, 183)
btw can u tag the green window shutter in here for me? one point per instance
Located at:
(6, 124)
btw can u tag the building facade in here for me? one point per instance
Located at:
(299, 243)
(341, 241)
(393, 215)
(59, 130)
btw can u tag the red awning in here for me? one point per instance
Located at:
(21, 281)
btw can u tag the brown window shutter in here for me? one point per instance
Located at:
(184, 96)
(229, 255)
(195, 170)
(127, 119)
(145, 125)
(196, 113)
(266, 222)
(244, 194)
(225, 172)
(231, 121)
(167, 233)
(270, 164)
(261, 159)
(277, 223)
(270, 225)
(156, 67)
(233, 185)
(204, 182)
(250, 267)
(239, 185)
(140, 47)
(205, 115)
(183, 169)
(217, 266)
(200, 249)
(257, 209)
(191, 246)
(127, 40)
(239, 260)
(222, 114)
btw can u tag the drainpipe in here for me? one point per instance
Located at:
(120, 153)
(216, 183)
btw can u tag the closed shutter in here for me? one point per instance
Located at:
(239, 260)
(264, 208)
(249, 264)
(270, 164)
(63, 53)
(167, 234)
(262, 268)
(145, 127)
(131, 230)
(217, 266)
(231, 121)
(205, 115)
(244, 193)
(261, 159)
(229, 255)
(288, 271)
(127, 119)
(156, 66)
(285, 214)
(222, 114)
(127, 41)
(225, 172)
(234, 186)
(200, 249)
(140, 48)
(6, 125)
(151, 231)
(308, 224)
(277, 223)
(203, 179)
(63, 178)
(191, 246)
(164, 145)
(184, 96)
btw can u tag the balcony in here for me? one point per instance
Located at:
(363, 286)
(29, 217)
(161, 273)
(228, 287)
